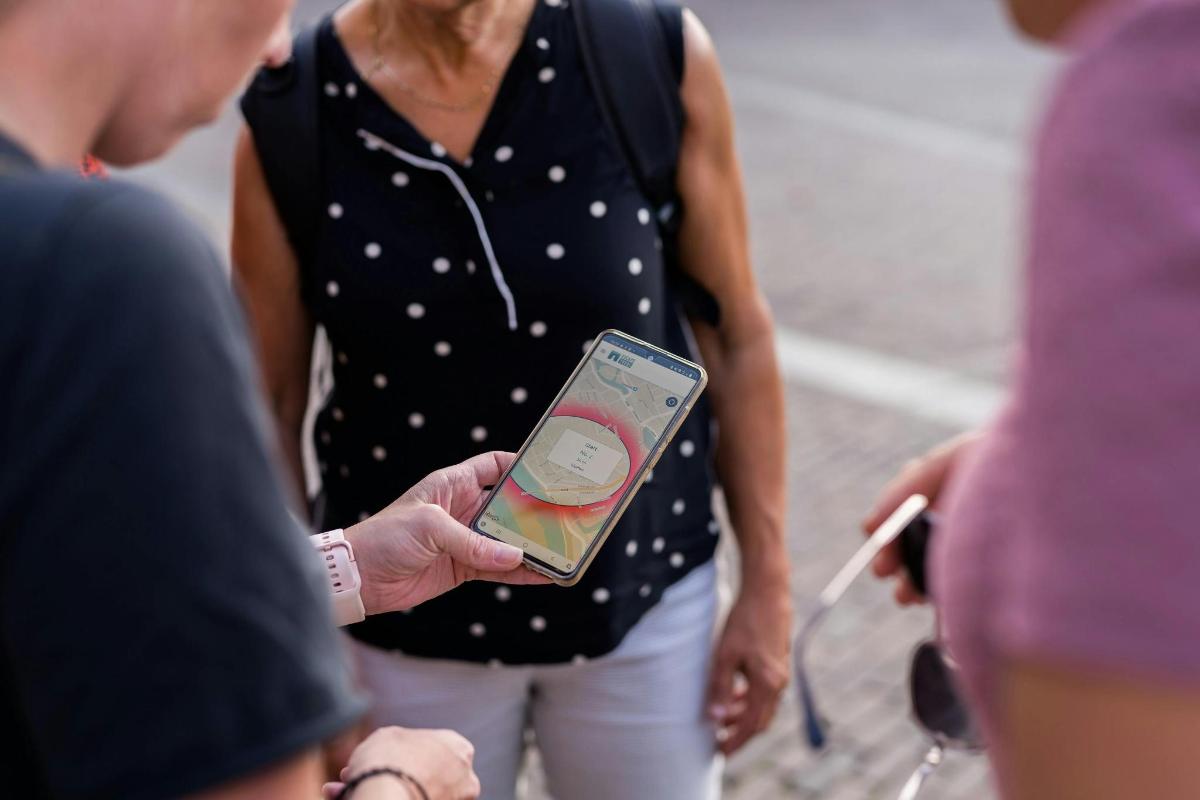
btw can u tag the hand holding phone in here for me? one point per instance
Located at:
(576, 474)
(419, 546)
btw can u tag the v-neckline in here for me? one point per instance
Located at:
(491, 119)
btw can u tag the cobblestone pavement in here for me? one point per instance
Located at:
(882, 145)
(841, 453)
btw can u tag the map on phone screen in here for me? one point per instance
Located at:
(581, 462)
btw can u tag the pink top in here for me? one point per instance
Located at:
(1072, 533)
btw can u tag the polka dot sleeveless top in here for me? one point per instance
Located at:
(457, 298)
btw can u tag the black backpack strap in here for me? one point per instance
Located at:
(627, 55)
(633, 53)
(280, 106)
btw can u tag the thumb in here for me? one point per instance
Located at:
(474, 550)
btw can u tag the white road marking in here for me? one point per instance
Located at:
(772, 96)
(931, 393)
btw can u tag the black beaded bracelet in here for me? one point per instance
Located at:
(354, 782)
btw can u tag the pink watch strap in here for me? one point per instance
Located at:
(345, 584)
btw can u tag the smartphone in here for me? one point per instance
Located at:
(590, 453)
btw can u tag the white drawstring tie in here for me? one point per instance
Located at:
(375, 142)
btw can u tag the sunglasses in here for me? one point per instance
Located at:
(937, 707)
(939, 711)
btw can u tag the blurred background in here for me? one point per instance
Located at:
(882, 143)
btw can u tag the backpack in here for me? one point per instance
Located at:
(633, 54)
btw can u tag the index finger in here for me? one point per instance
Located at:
(922, 477)
(759, 705)
(521, 576)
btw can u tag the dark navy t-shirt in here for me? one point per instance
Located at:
(163, 625)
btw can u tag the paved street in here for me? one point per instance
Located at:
(882, 144)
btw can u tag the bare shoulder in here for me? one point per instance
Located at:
(700, 53)
(697, 41)
(703, 91)
(1129, 736)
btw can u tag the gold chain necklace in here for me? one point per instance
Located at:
(378, 64)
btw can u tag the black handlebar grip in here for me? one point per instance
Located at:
(914, 550)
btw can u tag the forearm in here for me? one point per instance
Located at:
(751, 460)
(299, 776)
(291, 447)
(266, 273)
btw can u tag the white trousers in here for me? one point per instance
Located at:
(626, 726)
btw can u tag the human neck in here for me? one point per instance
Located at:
(445, 38)
(67, 86)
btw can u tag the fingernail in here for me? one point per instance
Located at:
(507, 556)
(716, 711)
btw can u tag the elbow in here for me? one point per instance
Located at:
(291, 424)
(289, 408)
(751, 327)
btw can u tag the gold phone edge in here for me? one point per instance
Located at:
(664, 442)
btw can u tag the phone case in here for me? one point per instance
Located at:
(651, 462)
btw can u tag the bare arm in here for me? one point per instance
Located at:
(268, 275)
(1098, 736)
(297, 777)
(746, 393)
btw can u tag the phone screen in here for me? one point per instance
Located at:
(590, 451)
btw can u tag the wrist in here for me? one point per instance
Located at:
(339, 565)
(365, 559)
(765, 596)
(383, 783)
(765, 569)
(381, 789)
